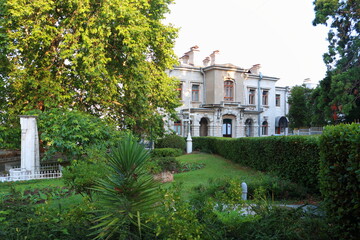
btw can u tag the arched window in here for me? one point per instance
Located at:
(265, 128)
(227, 128)
(229, 90)
(249, 132)
(203, 127)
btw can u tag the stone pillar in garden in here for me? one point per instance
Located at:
(30, 155)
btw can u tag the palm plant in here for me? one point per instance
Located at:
(126, 193)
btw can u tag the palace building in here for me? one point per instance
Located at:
(225, 100)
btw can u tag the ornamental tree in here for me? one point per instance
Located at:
(107, 58)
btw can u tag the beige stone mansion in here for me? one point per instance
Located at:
(225, 100)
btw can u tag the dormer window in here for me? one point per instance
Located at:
(229, 90)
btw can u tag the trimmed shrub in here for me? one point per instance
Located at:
(163, 164)
(295, 158)
(340, 178)
(171, 141)
(166, 152)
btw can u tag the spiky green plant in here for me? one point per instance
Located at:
(127, 193)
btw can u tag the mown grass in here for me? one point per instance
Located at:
(215, 167)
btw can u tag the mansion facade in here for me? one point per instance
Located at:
(224, 100)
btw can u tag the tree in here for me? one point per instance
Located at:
(299, 111)
(107, 58)
(343, 58)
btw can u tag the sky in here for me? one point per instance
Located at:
(278, 34)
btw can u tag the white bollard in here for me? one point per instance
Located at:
(189, 144)
(244, 191)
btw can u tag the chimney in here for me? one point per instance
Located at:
(206, 61)
(213, 56)
(255, 69)
(184, 59)
(193, 55)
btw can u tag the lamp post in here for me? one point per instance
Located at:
(189, 139)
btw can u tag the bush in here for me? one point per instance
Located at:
(166, 152)
(171, 141)
(294, 158)
(81, 176)
(162, 164)
(10, 132)
(340, 178)
(73, 132)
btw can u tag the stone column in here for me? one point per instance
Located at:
(30, 155)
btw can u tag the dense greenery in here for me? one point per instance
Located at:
(213, 212)
(126, 193)
(171, 141)
(338, 94)
(300, 108)
(107, 58)
(271, 154)
(166, 152)
(340, 178)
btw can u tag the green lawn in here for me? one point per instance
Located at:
(215, 167)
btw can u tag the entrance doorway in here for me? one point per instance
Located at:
(227, 128)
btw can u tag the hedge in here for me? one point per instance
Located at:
(171, 141)
(295, 158)
(166, 152)
(340, 178)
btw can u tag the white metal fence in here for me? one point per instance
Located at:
(20, 174)
(309, 131)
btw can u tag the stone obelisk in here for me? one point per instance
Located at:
(30, 155)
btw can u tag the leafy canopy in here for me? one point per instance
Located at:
(339, 91)
(103, 57)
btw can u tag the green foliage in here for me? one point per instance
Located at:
(340, 178)
(10, 132)
(226, 193)
(81, 176)
(300, 108)
(171, 141)
(343, 37)
(187, 167)
(126, 193)
(73, 133)
(166, 152)
(176, 219)
(107, 58)
(294, 158)
(168, 164)
(339, 91)
(20, 219)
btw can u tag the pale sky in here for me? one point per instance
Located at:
(278, 34)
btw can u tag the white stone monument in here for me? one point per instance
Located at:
(30, 155)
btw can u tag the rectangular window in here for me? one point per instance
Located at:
(265, 98)
(252, 96)
(179, 89)
(177, 127)
(195, 93)
(277, 100)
